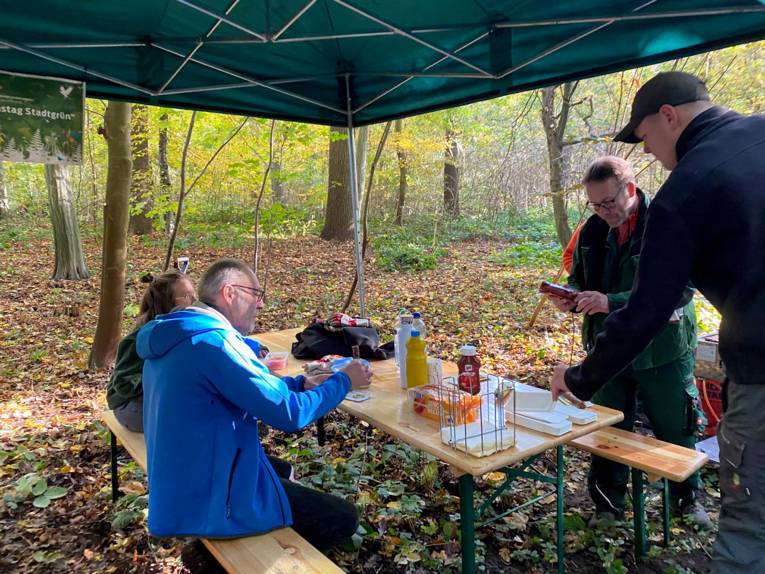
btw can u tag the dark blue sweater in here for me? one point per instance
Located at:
(706, 225)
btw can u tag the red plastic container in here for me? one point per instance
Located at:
(276, 360)
(711, 402)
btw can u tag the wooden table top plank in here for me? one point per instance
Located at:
(389, 411)
(648, 454)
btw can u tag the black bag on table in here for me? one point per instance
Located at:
(316, 340)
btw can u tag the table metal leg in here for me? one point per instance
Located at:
(115, 471)
(638, 513)
(467, 523)
(559, 508)
(665, 509)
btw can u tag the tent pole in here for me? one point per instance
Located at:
(355, 202)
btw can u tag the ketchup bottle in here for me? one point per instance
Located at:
(469, 379)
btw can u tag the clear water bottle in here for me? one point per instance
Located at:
(399, 322)
(418, 324)
(403, 333)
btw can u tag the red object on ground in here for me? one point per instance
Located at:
(711, 402)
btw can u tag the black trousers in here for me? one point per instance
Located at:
(324, 520)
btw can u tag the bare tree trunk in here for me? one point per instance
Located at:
(277, 186)
(141, 199)
(365, 214)
(555, 129)
(181, 194)
(93, 177)
(256, 251)
(403, 173)
(451, 174)
(108, 330)
(277, 181)
(70, 259)
(164, 171)
(338, 218)
(362, 144)
(4, 203)
(184, 192)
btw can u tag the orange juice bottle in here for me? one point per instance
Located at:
(416, 361)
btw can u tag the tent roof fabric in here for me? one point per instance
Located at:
(317, 60)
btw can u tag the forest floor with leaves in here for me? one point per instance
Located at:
(56, 513)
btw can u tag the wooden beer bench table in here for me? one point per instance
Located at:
(649, 458)
(389, 411)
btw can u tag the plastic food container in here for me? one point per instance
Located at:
(339, 364)
(456, 406)
(276, 360)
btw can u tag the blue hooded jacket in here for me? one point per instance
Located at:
(204, 392)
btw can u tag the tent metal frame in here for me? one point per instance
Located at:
(349, 112)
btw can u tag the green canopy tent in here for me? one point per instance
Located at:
(351, 62)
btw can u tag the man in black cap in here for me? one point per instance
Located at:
(706, 225)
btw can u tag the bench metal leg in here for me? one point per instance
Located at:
(321, 434)
(115, 472)
(559, 508)
(467, 523)
(665, 510)
(638, 508)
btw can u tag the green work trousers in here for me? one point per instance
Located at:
(668, 397)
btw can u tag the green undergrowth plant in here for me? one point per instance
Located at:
(402, 252)
(534, 254)
(130, 509)
(35, 487)
(404, 256)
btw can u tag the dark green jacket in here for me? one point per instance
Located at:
(600, 265)
(126, 382)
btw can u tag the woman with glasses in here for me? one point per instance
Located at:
(124, 394)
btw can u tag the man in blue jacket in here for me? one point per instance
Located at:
(205, 392)
(705, 225)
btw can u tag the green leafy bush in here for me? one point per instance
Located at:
(529, 254)
(391, 253)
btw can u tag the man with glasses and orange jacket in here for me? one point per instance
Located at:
(604, 264)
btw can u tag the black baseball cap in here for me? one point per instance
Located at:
(673, 88)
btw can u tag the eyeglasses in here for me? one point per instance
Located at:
(606, 204)
(257, 292)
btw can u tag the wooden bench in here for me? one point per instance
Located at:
(656, 459)
(281, 551)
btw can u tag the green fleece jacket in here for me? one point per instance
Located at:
(126, 381)
(600, 264)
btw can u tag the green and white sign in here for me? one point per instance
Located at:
(41, 119)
